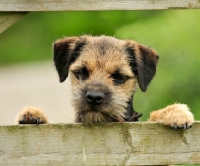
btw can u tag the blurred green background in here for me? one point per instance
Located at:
(175, 34)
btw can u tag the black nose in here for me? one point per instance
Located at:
(95, 98)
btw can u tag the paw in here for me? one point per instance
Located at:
(176, 116)
(31, 115)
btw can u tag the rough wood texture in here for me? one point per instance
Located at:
(64, 5)
(7, 19)
(117, 144)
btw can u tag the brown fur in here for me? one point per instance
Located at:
(31, 115)
(97, 64)
(96, 58)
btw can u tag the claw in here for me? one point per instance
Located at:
(38, 121)
(175, 126)
(120, 119)
(185, 126)
(32, 119)
(23, 120)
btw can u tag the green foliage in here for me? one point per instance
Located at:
(31, 38)
(174, 34)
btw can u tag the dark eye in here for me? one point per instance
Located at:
(119, 78)
(81, 74)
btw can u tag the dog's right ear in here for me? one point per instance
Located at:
(66, 51)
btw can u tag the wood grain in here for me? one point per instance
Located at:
(7, 19)
(117, 144)
(72, 5)
(14, 7)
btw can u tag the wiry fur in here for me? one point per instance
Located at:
(112, 109)
(112, 68)
(102, 57)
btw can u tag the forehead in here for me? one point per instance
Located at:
(104, 53)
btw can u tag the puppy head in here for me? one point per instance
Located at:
(103, 72)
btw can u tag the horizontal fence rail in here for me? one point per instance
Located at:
(140, 143)
(13, 10)
(73, 5)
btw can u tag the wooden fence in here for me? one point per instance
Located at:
(115, 144)
(13, 10)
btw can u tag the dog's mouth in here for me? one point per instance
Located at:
(104, 114)
(98, 114)
(93, 118)
(99, 117)
(103, 106)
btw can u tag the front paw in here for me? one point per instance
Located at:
(176, 116)
(31, 115)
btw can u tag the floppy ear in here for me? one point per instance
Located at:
(146, 66)
(143, 61)
(66, 51)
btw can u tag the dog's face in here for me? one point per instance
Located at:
(104, 72)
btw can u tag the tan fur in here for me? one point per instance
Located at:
(100, 66)
(102, 56)
(175, 114)
(31, 112)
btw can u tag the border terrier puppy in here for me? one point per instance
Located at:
(104, 73)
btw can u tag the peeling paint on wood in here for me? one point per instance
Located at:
(116, 144)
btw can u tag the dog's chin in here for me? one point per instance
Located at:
(89, 115)
(112, 109)
(90, 118)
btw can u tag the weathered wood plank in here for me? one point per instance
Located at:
(117, 144)
(7, 19)
(68, 5)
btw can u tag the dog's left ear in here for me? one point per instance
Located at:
(143, 61)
